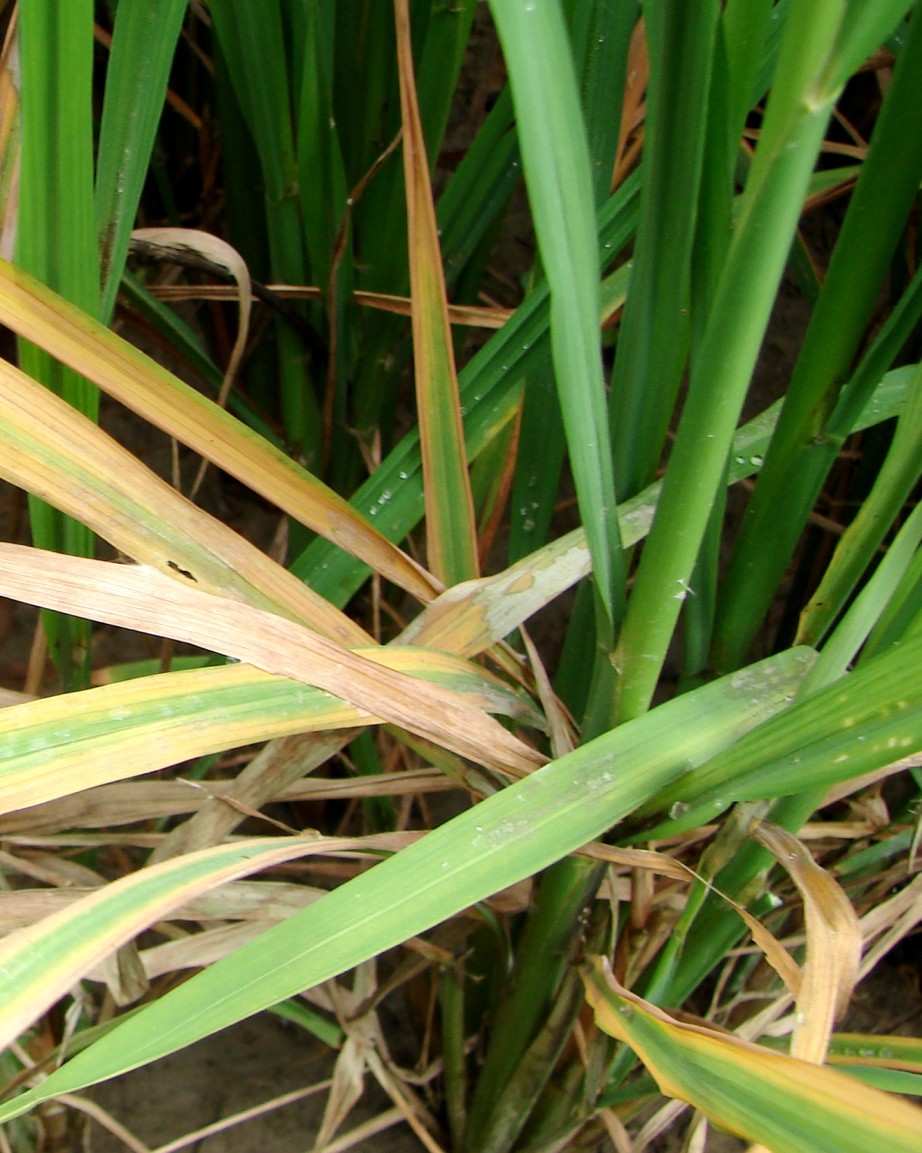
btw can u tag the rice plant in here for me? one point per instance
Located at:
(671, 843)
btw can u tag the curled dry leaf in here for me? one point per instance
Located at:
(833, 943)
(213, 250)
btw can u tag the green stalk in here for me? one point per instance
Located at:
(542, 959)
(366, 107)
(795, 122)
(479, 191)
(740, 46)
(798, 459)
(533, 1070)
(454, 1079)
(601, 38)
(448, 29)
(539, 460)
(322, 178)
(324, 192)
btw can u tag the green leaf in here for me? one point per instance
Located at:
(252, 40)
(143, 43)
(653, 343)
(862, 721)
(509, 836)
(56, 242)
(858, 547)
(556, 160)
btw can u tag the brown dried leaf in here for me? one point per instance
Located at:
(833, 943)
(142, 599)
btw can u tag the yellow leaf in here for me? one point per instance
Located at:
(781, 1102)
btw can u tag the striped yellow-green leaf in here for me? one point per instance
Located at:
(41, 962)
(887, 1052)
(64, 744)
(51, 450)
(83, 344)
(785, 1104)
(71, 742)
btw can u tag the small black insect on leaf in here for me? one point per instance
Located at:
(182, 571)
